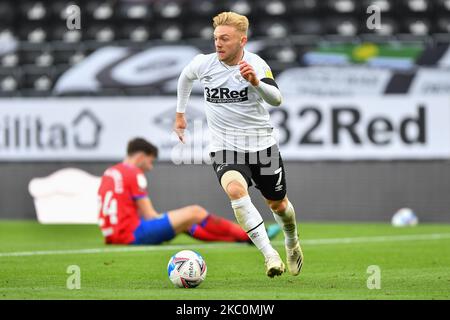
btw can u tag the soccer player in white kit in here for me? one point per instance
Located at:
(237, 84)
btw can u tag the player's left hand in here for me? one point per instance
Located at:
(248, 73)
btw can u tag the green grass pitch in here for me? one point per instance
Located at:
(414, 264)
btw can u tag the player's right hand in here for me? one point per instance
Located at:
(179, 126)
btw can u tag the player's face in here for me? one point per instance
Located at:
(229, 43)
(145, 162)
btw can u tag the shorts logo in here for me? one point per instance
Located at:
(221, 166)
(278, 188)
(225, 95)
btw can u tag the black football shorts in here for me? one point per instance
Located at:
(265, 168)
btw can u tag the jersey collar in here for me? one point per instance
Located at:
(232, 67)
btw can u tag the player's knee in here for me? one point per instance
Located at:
(198, 212)
(236, 190)
(234, 184)
(278, 206)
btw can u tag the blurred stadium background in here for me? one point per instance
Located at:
(364, 129)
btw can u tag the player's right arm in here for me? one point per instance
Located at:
(146, 209)
(262, 80)
(138, 190)
(180, 125)
(184, 88)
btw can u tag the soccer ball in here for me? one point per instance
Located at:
(186, 269)
(404, 217)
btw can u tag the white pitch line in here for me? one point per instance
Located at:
(414, 237)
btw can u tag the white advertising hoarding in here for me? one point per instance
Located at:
(352, 128)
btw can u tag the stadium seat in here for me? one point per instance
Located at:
(134, 32)
(38, 79)
(33, 32)
(272, 28)
(169, 30)
(342, 25)
(417, 26)
(9, 83)
(9, 60)
(240, 6)
(282, 54)
(34, 11)
(417, 6)
(100, 32)
(342, 6)
(7, 32)
(76, 58)
(271, 8)
(134, 11)
(168, 9)
(99, 10)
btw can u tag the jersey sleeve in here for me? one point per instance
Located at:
(263, 70)
(138, 185)
(192, 70)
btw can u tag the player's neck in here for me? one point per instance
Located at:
(129, 162)
(235, 60)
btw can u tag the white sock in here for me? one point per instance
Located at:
(287, 222)
(251, 221)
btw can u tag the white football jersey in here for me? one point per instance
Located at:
(236, 114)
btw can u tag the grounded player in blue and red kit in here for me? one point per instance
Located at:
(127, 215)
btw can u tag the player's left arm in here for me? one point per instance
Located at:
(263, 82)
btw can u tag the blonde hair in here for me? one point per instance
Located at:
(236, 20)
